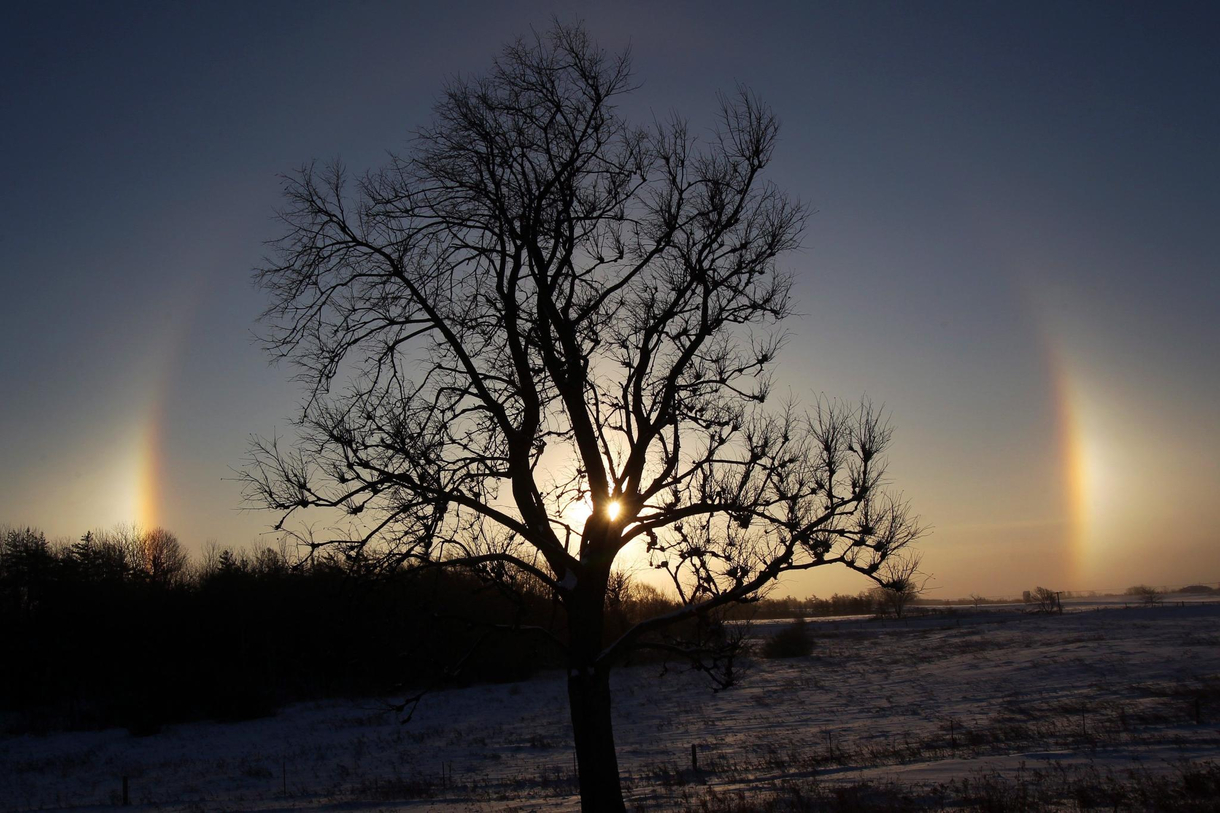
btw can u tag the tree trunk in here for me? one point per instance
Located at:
(589, 696)
(589, 685)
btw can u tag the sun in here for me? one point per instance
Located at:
(578, 513)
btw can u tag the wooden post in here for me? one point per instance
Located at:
(1198, 711)
(694, 758)
(952, 736)
(126, 799)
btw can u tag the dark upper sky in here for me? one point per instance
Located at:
(1015, 246)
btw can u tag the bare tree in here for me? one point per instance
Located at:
(155, 555)
(1147, 595)
(545, 334)
(1043, 600)
(900, 583)
(161, 557)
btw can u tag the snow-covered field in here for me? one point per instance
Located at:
(916, 703)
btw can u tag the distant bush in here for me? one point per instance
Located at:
(1201, 589)
(793, 641)
(1043, 600)
(1145, 594)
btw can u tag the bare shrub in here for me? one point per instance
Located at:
(1146, 595)
(901, 584)
(793, 641)
(1043, 600)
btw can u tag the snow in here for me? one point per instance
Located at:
(919, 702)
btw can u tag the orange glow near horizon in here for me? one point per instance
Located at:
(148, 475)
(148, 509)
(1081, 466)
(1078, 480)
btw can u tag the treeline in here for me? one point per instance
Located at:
(121, 628)
(866, 602)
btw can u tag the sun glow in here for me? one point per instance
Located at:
(148, 488)
(1091, 460)
(579, 513)
(1086, 452)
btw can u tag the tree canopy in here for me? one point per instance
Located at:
(543, 306)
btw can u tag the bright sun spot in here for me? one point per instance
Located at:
(579, 513)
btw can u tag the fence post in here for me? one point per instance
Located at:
(694, 758)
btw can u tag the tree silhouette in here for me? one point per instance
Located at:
(546, 334)
(900, 584)
(160, 557)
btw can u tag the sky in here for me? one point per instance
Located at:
(1014, 248)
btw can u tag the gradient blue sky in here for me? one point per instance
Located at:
(1015, 247)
